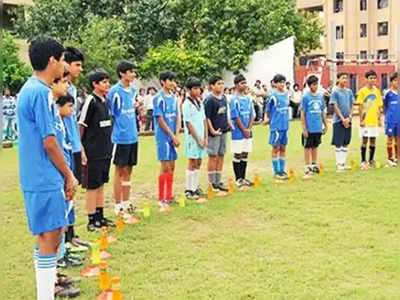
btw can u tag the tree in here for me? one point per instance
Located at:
(183, 62)
(13, 72)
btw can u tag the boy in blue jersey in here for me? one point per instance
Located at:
(121, 99)
(277, 114)
(196, 139)
(313, 120)
(167, 125)
(242, 116)
(342, 100)
(391, 105)
(95, 128)
(46, 180)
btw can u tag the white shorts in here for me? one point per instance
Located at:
(240, 146)
(369, 132)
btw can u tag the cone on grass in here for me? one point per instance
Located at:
(120, 223)
(291, 175)
(231, 186)
(103, 239)
(95, 256)
(146, 210)
(257, 181)
(322, 169)
(353, 165)
(182, 201)
(104, 278)
(210, 192)
(116, 288)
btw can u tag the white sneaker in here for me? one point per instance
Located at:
(364, 166)
(391, 163)
(340, 168)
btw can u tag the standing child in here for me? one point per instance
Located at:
(391, 106)
(124, 137)
(95, 128)
(277, 114)
(242, 115)
(370, 103)
(313, 120)
(196, 139)
(167, 125)
(342, 100)
(217, 114)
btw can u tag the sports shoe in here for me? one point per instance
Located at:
(215, 187)
(279, 176)
(247, 182)
(199, 192)
(93, 227)
(284, 175)
(131, 208)
(308, 174)
(164, 206)
(66, 292)
(391, 163)
(66, 262)
(364, 166)
(372, 164)
(222, 188)
(74, 248)
(65, 280)
(315, 169)
(340, 168)
(107, 223)
(74, 256)
(189, 195)
(239, 183)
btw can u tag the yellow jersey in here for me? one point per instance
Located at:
(370, 101)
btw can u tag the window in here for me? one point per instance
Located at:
(363, 30)
(353, 83)
(383, 54)
(363, 4)
(339, 32)
(383, 28)
(383, 4)
(363, 54)
(339, 55)
(337, 6)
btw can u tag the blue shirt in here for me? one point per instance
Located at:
(122, 108)
(193, 112)
(63, 137)
(36, 121)
(165, 106)
(344, 99)
(392, 107)
(313, 107)
(241, 106)
(278, 107)
(71, 123)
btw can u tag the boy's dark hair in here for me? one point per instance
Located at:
(40, 51)
(214, 79)
(65, 74)
(164, 76)
(124, 66)
(340, 74)
(370, 73)
(149, 89)
(394, 76)
(311, 80)
(193, 82)
(278, 78)
(296, 85)
(97, 75)
(72, 54)
(239, 78)
(65, 99)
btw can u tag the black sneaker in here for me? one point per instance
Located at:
(67, 292)
(247, 182)
(222, 188)
(315, 169)
(93, 227)
(284, 176)
(107, 223)
(66, 262)
(215, 188)
(189, 195)
(199, 192)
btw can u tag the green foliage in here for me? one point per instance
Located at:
(103, 44)
(170, 56)
(13, 72)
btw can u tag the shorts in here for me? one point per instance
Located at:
(341, 135)
(77, 166)
(243, 145)
(46, 211)
(166, 151)
(217, 145)
(392, 129)
(125, 155)
(278, 138)
(369, 132)
(96, 173)
(313, 140)
(193, 150)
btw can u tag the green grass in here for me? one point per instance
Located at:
(334, 237)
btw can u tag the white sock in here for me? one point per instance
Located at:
(46, 276)
(197, 178)
(189, 180)
(117, 208)
(344, 155)
(338, 155)
(126, 205)
(35, 257)
(193, 181)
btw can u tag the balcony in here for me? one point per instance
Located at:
(310, 5)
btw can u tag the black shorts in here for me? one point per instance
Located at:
(313, 140)
(78, 166)
(96, 173)
(125, 155)
(341, 135)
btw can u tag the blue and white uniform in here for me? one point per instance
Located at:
(194, 113)
(241, 106)
(392, 113)
(165, 106)
(313, 106)
(278, 106)
(41, 182)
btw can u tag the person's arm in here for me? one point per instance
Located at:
(178, 118)
(205, 142)
(192, 132)
(166, 128)
(210, 112)
(324, 120)
(303, 123)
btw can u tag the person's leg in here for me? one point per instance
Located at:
(190, 174)
(397, 147)
(275, 160)
(91, 195)
(162, 181)
(196, 181)
(364, 149)
(100, 205)
(243, 169)
(282, 159)
(118, 189)
(219, 167)
(236, 162)
(372, 141)
(170, 180)
(314, 156)
(126, 185)
(307, 158)
(389, 147)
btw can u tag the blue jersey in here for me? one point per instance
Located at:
(63, 137)
(392, 107)
(313, 106)
(241, 106)
(122, 108)
(36, 121)
(193, 112)
(344, 99)
(278, 107)
(165, 106)
(71, 123)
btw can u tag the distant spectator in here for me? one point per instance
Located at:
(148, 106)
(297, 94)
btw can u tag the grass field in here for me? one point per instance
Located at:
(334, 237)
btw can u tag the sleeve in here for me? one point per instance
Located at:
(43, 115)
(379, 98)
(210, 109)
(271, 103)
(186, 111)
(323, 105)
(334, 98)
(114, 103)
(303, 103)
(158, 110)
(87, 112)
(233, 108)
